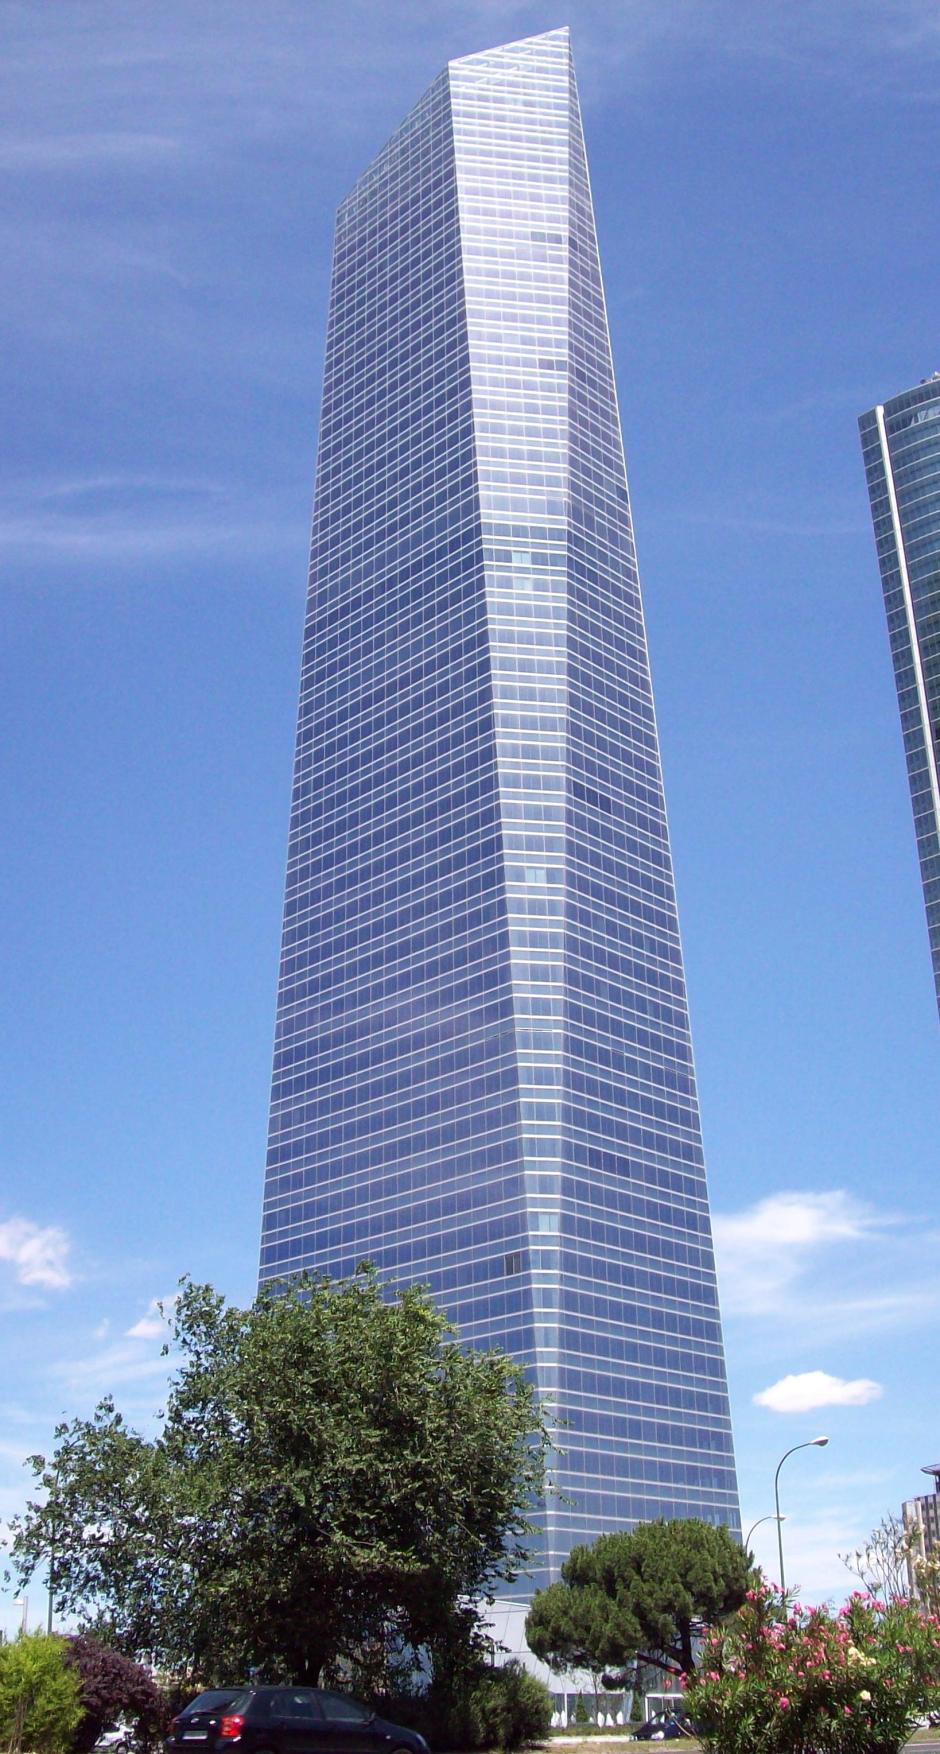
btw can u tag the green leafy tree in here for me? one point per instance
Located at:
(784, 1679)
(40, 1695)
(335, 1478)
(567, 1627)
(647, 1594)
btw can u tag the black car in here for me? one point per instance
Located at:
(286, 1720)
(665, 1726)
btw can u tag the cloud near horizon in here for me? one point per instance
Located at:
(816, 1388)
(153, 1324)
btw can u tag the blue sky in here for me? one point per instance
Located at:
(764, 178)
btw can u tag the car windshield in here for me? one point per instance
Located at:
(208, 1701)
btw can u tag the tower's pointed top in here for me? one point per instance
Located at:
(559, 40)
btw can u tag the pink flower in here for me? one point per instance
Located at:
(783, 1702)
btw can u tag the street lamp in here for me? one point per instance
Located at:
(812, 1443)
(761, 1519)
(52, 1556)
(51, 1582)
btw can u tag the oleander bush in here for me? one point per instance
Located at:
(781, 1678)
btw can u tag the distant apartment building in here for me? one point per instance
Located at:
(901, 447)
(922, 1522)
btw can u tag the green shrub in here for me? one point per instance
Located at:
(511, 1707)
(443, 1713)
(40, 1695)
(490, 1707)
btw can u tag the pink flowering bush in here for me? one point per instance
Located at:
(779, 1678)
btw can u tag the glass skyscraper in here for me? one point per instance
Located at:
(483, 1072)
(901, 447)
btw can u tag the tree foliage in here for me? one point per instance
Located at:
(647, 1594)
(881, 1563)
(334, 1476)
(112, 1686)
(784, 1679)
(40, 1695)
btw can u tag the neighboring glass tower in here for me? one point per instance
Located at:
(483, 1072)
(901, 446)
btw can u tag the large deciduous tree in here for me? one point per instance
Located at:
(334, 1478)
(645, 1595)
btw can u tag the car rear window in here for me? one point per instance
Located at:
(209, 1701)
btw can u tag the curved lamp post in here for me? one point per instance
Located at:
(746, 1543)
(812, 1443)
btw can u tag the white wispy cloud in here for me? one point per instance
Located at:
(153, 1324)
(111, 516)
(802, 1392)
(38, 1253)
(125, 1362)
(852, 1479)
(267, 71)
(74, 151)
(13, 1452)
(828, 1264)
(765, 1249)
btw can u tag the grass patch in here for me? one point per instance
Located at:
(580, 1740)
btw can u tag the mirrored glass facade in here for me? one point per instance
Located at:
(483, 1071)
(901, 447)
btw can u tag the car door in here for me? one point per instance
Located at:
(297, 1724)
(349, 1725)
